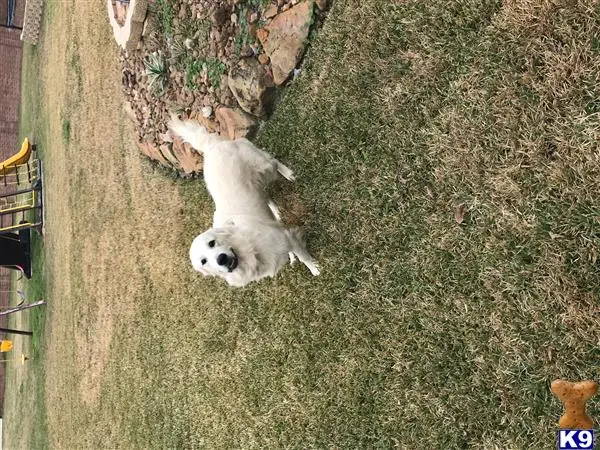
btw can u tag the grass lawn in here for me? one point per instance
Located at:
(421, 332)
(24, 420)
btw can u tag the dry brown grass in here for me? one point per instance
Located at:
(112, 223)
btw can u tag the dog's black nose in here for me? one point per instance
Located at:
(222, 259)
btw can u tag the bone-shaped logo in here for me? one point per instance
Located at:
(574, 397)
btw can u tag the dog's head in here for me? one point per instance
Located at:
(212, 254)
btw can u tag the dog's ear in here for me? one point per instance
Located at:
(222, 233)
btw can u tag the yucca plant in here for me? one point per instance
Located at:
(158, 72)
(178, 49)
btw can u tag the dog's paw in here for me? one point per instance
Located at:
(286, 172)
(292, 259)
(314, 269)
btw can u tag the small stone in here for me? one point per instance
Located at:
(270, 12)
(234, 18)
(207, 111)
(253, 17)
(182, 12)
(166, 137)
(263, 59)
(262, 34)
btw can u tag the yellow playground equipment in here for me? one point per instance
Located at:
(21, 207)
(19, 158)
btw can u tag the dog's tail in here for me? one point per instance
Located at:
(193, 133)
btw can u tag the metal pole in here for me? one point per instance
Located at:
(22, 307)
(9, 331)
(10, 27)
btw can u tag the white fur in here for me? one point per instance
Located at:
(247, 241)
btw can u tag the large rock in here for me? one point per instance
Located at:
(190, 161)
(235, 123)
(251, 85)
(285, 39)
(152, 152)
(210, 125)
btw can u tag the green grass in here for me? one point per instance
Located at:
(66, 131)
(24, 394)
(420, 332)
(193, 67)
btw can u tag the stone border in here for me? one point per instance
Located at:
(128, 35)
(32, 21)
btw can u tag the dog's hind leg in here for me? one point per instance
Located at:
(275, 211)
(265, 163)
(299, 249)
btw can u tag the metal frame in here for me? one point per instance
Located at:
(30, 173)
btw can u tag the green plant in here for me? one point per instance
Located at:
(66, 131)
(177, 49)
(214, 69)
(165, 14)
(157, 71)
(260, 4)
(242, 38)
(192, 71)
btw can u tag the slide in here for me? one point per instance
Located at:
(19, 158)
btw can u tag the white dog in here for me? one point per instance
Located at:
(247, 241)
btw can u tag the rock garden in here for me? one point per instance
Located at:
(220, 62)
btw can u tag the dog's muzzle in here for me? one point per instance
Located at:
(230, 262)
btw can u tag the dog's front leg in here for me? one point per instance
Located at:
(275, 211)
(285, 171)
(299, 249)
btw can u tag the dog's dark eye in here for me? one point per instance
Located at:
(203, 261)
(211, 244)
